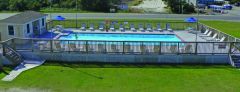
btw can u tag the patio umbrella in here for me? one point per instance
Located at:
(191, 20)
(59, 18)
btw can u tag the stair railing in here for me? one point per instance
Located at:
(12, 55)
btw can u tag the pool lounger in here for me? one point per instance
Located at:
(112, 28)
(168, 27)
(83, 28)
(140, 26)
(208, 34)
(211, 38)
(91, 27)
(149, 28)
(101, 27)
(121, 28)
(132, 28)
(159, 28)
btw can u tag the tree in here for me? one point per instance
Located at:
(188, 8)
(4, 4)
(98, 5)
(180, 6)
(234, 1)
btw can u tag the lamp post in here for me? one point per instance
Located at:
(50, 1)
(76, 13)
(197, 19)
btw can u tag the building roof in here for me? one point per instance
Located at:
(23, 18)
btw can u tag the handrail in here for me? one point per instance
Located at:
(18, 59)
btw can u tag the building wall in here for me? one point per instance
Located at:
(20, 30)
(4, 31)
(43, 28)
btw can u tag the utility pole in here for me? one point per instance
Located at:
(50, 1)
(76, 14)
(197, 19)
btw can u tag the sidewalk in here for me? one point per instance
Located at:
(21, 68)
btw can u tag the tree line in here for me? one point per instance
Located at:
(90, 5)
(180, 6)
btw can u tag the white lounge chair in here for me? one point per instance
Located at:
(221, 40)
(205, 33)
(112, 28)
(91, 27)
(208, 35)
(168, 27)
(101, 27)
(211, 38)
(140, 26)
(149, 27)
(83, 28)
(59, 28)
(132, 28)
(159, 28)
(121, 28)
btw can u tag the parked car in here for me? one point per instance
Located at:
(237, 4)
(227, 7)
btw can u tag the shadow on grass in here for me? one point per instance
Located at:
(86, 73)
(136, 65)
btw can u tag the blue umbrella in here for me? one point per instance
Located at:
(191, 20)
(59, 18)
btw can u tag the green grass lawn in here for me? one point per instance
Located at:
(228, 27)
(59, 78)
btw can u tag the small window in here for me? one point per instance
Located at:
(10, 30)
(43, 21)
(28, 28)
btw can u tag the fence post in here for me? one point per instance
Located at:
(213, 48)
(142, 49)
(196, 47)
(160, 48)
(105, 47)
(68, 45)
(3, 49)
(32, 44)
(51, 46)
(123, 52)
(13, 43)
(230, 48)
(178, 52)
(86, 46)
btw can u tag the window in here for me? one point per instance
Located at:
(43, 21)
(28, 28)
(10, 30)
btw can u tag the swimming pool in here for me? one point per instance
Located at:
(121, 37)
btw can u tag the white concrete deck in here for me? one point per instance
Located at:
(28, 65)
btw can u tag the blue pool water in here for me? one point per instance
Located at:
(121, 37)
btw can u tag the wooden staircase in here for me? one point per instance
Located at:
(21, 61)
(236, 60)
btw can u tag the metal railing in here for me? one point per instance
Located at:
(11, 54)
(122, 47)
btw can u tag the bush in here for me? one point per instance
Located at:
(188, 8)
